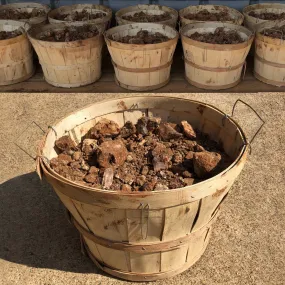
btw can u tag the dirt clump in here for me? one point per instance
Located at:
(219, 36)
(69, 34)
(150, 155)
(4, 35)
(205, 15)
(143, 17)
(275, 32)
(267, 15)
(19, 14)
(143, 37)
(83, 15)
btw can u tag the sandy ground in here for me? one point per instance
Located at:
(39, 247)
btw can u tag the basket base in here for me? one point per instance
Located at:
(140, 277)
(141, 88)
(24, 78)
(268, 81)
(207, 87)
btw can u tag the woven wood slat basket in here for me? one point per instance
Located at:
(16, 55)
(146, 236)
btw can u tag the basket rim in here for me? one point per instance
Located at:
(242, 154)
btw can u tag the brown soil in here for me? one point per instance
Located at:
(143, 37)
(142, 17)
(69, 34)
(84, 15)
(8, 35)
(220, 36)
(275, 32)
(205, 15)
(18, 14)
(151, 155)
(267, 15)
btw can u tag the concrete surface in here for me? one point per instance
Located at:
(39, 247)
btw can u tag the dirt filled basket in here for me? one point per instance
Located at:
(68, 63)
(82, 13)
(210, 65)
(257, 14)
(210, 13)
(148, 14)
(139, 66)
(16, 56)
(269, 58)
(149, 235)
(34, 14)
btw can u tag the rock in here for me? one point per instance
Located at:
(178, 168)
(129, 158)
(111, 154)
(91, 178)
(75, 164)
(77, 155)
(54, 162)
(89, 147)
(64, 158)
(190, 155)
(191, 145)
(159, 187)
(199, 148)
(84, 165)
(128, 179)
(159, 165)
(177, 157)
(176, 182)
(149, 186)
(108, 178)
(166, 132)
(161, 157)
(187, 174)
(188, 130)
(126, 188)
(189, 181)
(65, 143)
(128, 129)
(205, 163)
(144, 170)
(93, 170)
(153, 123)
(142, 126)
(141, 180)
(104, 127)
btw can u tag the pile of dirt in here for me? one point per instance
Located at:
(267, 15)
(9, 35)
(219, 36)
(275, 32)
(151, 155)
(142, 17)
(205, 15)
(69, 34)
(143, 37)
(84, 15)
(19, 14)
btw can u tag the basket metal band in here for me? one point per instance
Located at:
(279, 65)
(214, 69)
(141, 70)
(146, 247)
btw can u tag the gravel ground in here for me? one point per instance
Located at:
(39, 246)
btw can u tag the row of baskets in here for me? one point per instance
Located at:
(140, 67)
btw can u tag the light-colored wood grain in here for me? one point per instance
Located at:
(146, 235)
(16, 55)
(141, 67)
(214, 66)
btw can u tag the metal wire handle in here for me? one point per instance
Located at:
(263, 122)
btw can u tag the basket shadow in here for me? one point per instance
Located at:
(34, 228)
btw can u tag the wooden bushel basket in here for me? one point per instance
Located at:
(16, 54)
(91, 8)
(237, 17)
(145, 236)
(28, 7)
(141, 67)
(252, 22)
(68, 64)
(214, 66)
(149, 9)
(269, 58)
